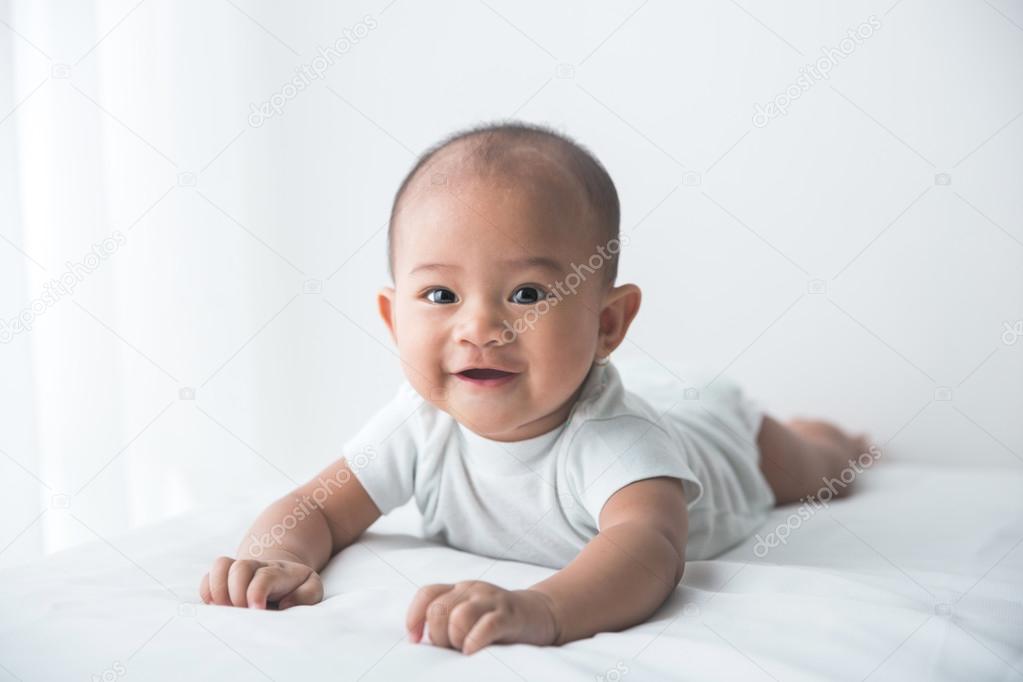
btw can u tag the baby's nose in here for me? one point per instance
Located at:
(485, 325)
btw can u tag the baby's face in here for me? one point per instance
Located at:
(467, 296)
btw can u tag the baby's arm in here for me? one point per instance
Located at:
(627, 571)
(618, 580)
(295, 537)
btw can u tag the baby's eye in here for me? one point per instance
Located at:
(438, 290)
(531, 295)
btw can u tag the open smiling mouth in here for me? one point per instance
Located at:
(486, 376)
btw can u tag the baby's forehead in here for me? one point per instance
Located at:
(543, 182)
(496, 225)
(508, 212)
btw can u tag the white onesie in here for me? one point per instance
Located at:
(539, 500)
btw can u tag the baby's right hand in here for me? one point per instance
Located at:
(251, 583)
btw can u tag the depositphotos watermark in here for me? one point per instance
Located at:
(816, 71)
(307, 73)
(615, 674)
(116, 671)
(569, 286)
(55, 289)
(304, 509)
(1012, 332)
(780, 535)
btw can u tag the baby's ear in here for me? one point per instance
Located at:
(621, 304)
(385, 304)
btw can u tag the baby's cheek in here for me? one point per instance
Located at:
(565, 361)
(574, 337)
(421, 370)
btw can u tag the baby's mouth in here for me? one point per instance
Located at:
(484, 377)
(485, 373)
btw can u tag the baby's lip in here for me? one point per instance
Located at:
(485, 371)
(486, 376)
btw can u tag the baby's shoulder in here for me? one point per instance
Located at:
(608, 407)
(607, 432)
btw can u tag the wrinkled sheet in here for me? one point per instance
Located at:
(917, 576)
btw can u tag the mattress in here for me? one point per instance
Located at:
(919, 575)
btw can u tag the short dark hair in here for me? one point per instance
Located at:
(492, 144)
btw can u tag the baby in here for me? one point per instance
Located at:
(514, 432)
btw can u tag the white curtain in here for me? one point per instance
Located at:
(169, 343)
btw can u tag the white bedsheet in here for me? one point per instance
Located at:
(918, 576)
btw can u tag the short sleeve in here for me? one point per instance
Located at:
(383, 454)
(606, 455)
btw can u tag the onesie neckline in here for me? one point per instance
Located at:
(507, 458)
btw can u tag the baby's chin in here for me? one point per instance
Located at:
(490, 417)
(488, 420)
(499, 413)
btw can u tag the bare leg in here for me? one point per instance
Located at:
(797, 457)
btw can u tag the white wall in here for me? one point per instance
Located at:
(135, 118)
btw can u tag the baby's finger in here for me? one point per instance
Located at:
(308, 593)
(487, 630)
(274, 582)
(463, 617)
(204, 589)
(438, 614)
(238, 578)
(264, 586)
(416, 616)
(218, 580)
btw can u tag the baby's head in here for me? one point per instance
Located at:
(503, 249)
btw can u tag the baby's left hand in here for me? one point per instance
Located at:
(469, 615)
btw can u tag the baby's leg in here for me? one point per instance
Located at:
(799, 456)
